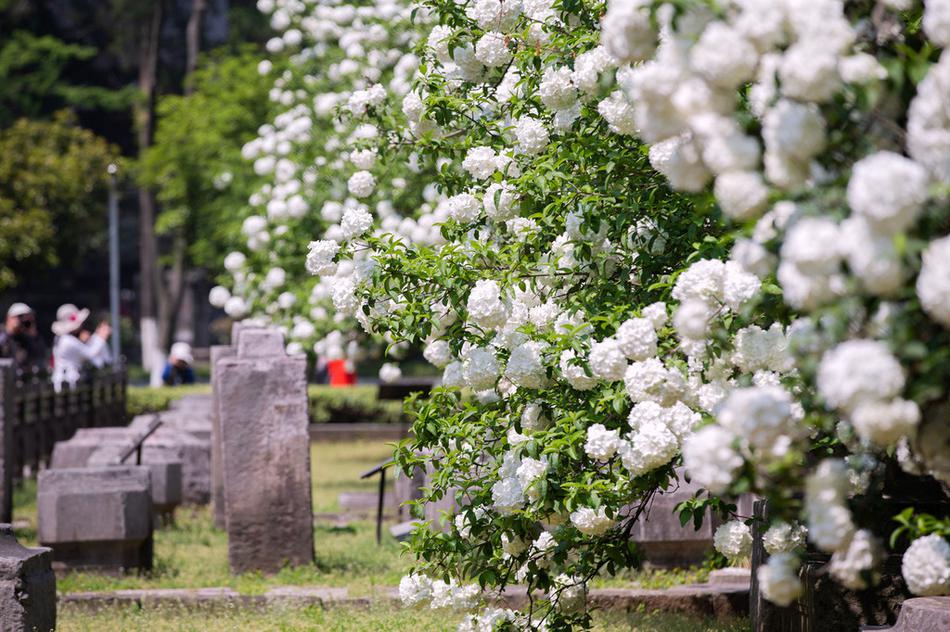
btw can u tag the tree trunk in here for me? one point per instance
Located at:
(144, 111)
(193, 41)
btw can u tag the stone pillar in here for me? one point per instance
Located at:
(265, 454)
(217, 479)
(7, 386)
(27, 586)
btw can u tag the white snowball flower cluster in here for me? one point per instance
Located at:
(783, 537)
(591, 522)
(933, 283)
(855, 565)
(778, 579)
(601, 443)
(361, 184)
(320, 256)
(733, 539)
(485, 307)
(926, 566)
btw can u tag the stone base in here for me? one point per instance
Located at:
(921, 614)
(110, 558)
(27, 586)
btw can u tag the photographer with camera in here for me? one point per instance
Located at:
(20, 341)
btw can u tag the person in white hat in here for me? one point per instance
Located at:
(20, 341)
(70, 354)
(178, 369)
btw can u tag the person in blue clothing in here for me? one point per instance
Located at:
(178, 368)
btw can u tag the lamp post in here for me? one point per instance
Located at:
(114, 263)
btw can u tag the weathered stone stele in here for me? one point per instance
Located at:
(27, 586)
(96, 517)
(217, 476)
(265, 451)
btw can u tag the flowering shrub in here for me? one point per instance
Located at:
(653, 234)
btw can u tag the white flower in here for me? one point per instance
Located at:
(778, 579)
(235, 307)
(626, 31)
(480, 369)
(701, 281)
(651, 445)
(738, 285)
(500, 15)
(656, 314)
(492, 50)
(855, 565)
(531, 134)
(809, 71)
(937, 21)
(933, 283)
(415, 589)
(485, 307)
(588, 66)
(760, 415)
(453, 596)
(320, 256)
(857, 372)
(499, 201)
(218, 296)
(783, 537)
(530, 471)
(926, 566)
(286, 300)
(872, 256)
(361, 184)
(607, 360)
(650, 380)
(389, 372)
(884, 423)
(733, 539)
(591, 522)
(438, 353)
(928, 121)
(723, 57)
(888, 189)
(463, 207)
(234, 261)
(679, 159)
(711, 459)
(861, 68)
(619, 114)
(574, 373)
(480, 162)
(452, 375)
(525, 367)
(570, 594)
(794, 129)
(556, 90)
(601, 443)
(829, 526)
(355, 222)
(637, 338)
(742, 195)
(813, 245)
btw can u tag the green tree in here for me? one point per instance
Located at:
(52, 193)
(195, 164)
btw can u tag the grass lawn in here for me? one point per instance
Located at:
(193, 554)
(375, 619)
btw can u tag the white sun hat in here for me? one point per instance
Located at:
(69, 318)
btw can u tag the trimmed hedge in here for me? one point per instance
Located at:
(341, 405)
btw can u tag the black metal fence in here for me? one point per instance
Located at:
(34, 417)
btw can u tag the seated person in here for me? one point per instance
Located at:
(178, 368)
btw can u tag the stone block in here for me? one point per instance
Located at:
(217, 478)
(97, 518)
(77, 451)
(196, 403)
(27, 586)
(407, 489)
(921, 614)
(731, 576)
(260, 343)
(663, 540)
(402, 531)
(7, 460)
(194, 454)
(265, 458)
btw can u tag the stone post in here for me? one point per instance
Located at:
(27, 586)
(217, 479)
(7, 386)
(265, 450)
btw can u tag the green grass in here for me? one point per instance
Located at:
(192, 554)
(373, 619)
